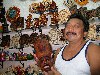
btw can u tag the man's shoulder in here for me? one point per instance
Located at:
(93, 49)
(93, 46)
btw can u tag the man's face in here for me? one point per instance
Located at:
(74, 30)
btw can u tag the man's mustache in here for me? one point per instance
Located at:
(67, 33)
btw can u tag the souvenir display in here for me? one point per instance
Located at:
(62, 37)
(9, 71)
(24, 40)
(93, 13)
(63, 16)
(14, 42)
(94, 29)
(46, 3)
(18, 70)
(54, 18)
(81, 2)
(1, 28)
(2, 56)
(95, 1)
(1, 4)
(43, 20)
(83, 11)
(2, 11)
(43, 52)
(5, 28)
(5, 41)
(31, 70)
(20, 23)
(2, 15)
(73, 9)
(98, 32)
(44, 6)
(29, 21)
(33, 7)
(69, 3)
(33, 37)
(36, 23)
(53, 7)
(92, 32)
(41, 8)
(3, 20)
(30, 56)
(12, 14)
(55, 36)
(40, 22)
(98, 29)
(20, 56)
(98, 12)
(13, 26)
(17, 24)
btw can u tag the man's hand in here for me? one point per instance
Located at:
(52, 72)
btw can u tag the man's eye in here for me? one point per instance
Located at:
(77, 26)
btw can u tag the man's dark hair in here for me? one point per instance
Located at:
(81, 17)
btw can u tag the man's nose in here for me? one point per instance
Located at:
(71, 28)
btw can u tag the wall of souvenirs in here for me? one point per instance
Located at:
(22, 21)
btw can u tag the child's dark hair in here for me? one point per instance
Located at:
(81, 17)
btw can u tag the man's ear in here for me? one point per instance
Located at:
(85, 34)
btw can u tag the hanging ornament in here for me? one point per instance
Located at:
(46, 3)
(33, 7)
(63, 16)
(1, 28)
(55, 36)
(92, 32)
(12, 14)
(28, 21)
(81, 2)
(95, 1)
(69, 3)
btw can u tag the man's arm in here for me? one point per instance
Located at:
(94, 59)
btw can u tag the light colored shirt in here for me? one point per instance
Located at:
(77, 65)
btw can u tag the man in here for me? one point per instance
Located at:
(79, 57)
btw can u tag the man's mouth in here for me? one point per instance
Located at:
(70, 33)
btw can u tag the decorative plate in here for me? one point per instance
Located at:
(12, 14)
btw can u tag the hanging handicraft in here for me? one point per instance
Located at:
(12, 14)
